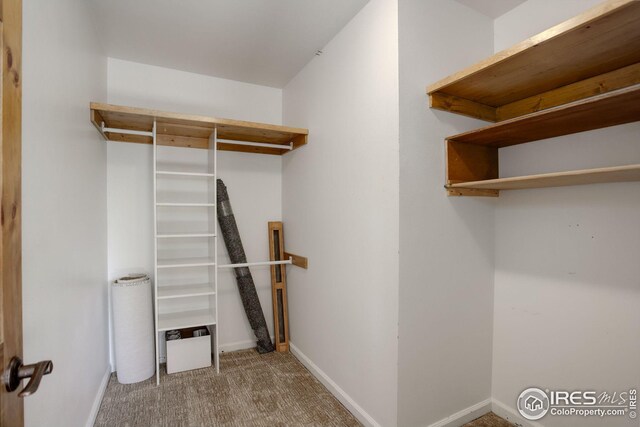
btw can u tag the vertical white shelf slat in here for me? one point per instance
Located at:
(155, 255)
(213, 155)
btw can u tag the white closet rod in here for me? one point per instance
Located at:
(249, 264)
(104, 129)
(257, 144)
(126, 131)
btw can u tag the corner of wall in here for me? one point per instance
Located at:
(341, 191)
(446, 243)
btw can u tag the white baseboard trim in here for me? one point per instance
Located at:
(465, 415)
(98, 399)
(237, 345)
(510, 414)
(334, 388)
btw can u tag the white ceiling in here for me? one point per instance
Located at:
(492, 8)
(264, 42)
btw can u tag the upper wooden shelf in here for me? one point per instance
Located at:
(590, 54)
(185, 130)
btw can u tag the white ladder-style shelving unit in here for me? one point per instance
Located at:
(186, 316)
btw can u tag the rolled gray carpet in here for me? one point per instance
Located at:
(246, 287)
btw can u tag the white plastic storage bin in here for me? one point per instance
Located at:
(188, 353)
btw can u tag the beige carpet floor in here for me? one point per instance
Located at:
(489, 420)
(251, 390)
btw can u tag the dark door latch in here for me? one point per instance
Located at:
(16, 372)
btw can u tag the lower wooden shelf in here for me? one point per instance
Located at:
(491, 187)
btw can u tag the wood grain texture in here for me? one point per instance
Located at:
(11, 411)
(192, 142)
(609, 109)
(3, 394)
(251, 149)
(97, 121)
(299, 141)
(624, 77)
(580, 75)
(469, 162)
(2, 169)
(627, 173)
(602, 39)
(181, 141)
(184, 130)
(297, 260)
(278, 285)
(471, 192)
(454, 104)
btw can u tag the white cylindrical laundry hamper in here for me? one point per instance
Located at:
(133, 328)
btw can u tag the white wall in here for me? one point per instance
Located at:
(567, 293)
(254, 181)
(64, 211)
(446, 243)
(340, 207)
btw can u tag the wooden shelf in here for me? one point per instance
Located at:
(184, 130)
(580, 75)
(185, 319)
(609, 109)
(559, 179)
(592, 53)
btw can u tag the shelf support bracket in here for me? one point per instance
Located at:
(297, 260)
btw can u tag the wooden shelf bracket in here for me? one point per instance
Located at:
(297, 260)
